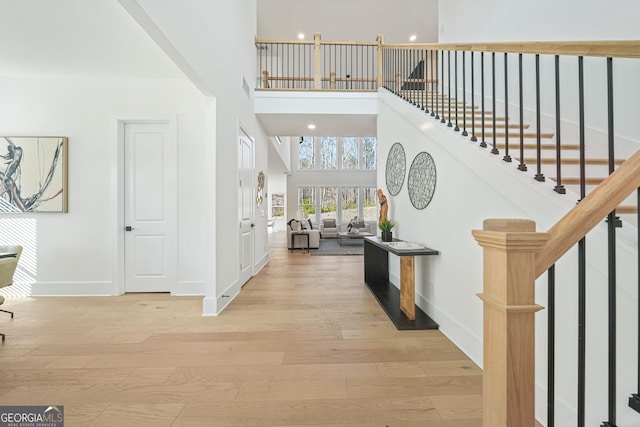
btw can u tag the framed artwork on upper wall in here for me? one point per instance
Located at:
(33, 174)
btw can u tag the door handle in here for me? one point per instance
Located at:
(128, 228)
(253, 225)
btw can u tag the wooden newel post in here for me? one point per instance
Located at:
(510, 247)
(380, 77)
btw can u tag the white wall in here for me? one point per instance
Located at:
(545, 20)
(334, 19)
(71, 253)
(216, 41)
(473, 185)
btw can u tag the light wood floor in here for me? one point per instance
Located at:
(304, 344)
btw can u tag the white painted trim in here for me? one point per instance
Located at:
(262, 262)
(214, 306)
(75, 289)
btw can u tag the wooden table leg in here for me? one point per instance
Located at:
(407, 286)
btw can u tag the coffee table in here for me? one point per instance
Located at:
(343, 235)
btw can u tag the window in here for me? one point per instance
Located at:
(306, 201)
(369, 149)
(349, 203)
(306, 153)
(277, 206)
(328, 202)
(328, 152)
(370, 204)
(350, 153)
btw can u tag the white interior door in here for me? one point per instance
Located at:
(246, 200)
(150, 208)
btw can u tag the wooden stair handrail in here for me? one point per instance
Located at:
(607, 49)
(589, 212)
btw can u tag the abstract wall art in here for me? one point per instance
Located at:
(33, 174)
(421, 183)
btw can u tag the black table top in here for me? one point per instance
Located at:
(399, 251)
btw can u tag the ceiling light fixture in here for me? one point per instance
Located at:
(413, 38)
(301, 36)
(311, 126)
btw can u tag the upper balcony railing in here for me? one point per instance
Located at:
(317, 65)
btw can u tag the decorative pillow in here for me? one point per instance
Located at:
(310, 225)
(304, 225)
(329, 223)
(8, 255)
(295, 225)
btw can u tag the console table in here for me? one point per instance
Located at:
(399, 305)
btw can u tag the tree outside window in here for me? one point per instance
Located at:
(328, 202)
(370, 204)
(349, 203)
(369, 150)
(328, 152)
(307, 201)
(306, 153)
(350, 153)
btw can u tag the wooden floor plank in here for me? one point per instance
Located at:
(304, 344)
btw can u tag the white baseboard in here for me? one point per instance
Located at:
(261, 263)
(453, 329)
(71, 289)
(213, 306)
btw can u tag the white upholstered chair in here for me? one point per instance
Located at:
(9, 257)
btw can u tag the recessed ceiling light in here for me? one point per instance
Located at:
(311, 126)
(301, 36)
(413, 38)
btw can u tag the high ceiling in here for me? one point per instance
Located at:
(98, 38)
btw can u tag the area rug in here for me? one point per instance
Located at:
(331, 247)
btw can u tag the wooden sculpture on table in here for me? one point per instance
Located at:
(384, 207)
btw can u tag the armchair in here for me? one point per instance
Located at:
(329, 229)
(9, 256)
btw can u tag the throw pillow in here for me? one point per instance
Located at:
(8, 255)
(310, 225)
(295, 225)
(304, 225)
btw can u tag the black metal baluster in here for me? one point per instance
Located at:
(449, 124)
(522, 166)
(539, 175)
(455, 68)
(464, 95)
(483, 143)
(442, 88)
(559, 188)
(431, 83)
(425, 83)
(582, 249)
(507, 157)
(473, 105)
(634, 399)
(494, 150)
(611, 251)
(551, 345)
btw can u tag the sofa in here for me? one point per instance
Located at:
(329, 229)
(301, 242)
